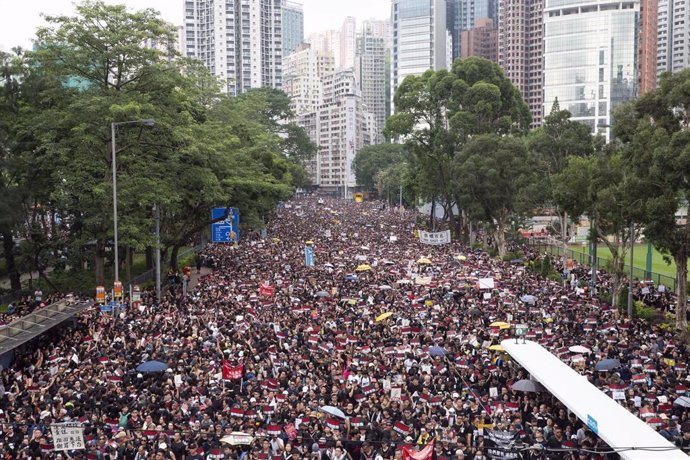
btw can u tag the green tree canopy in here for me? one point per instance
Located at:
(439, 111)
(206, 149)
(657, 147)
(372, 159)
(496, 179)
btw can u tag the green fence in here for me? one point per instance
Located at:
(602, 263)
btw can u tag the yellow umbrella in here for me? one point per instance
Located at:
(363, 268)
(461, 258)
(275, 240)
(383, 316)
(497, 348)
(309, 242)
(500, 325)
(424, 261)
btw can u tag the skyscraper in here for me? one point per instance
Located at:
(521, 49)
(340, 126)
(591, 58)
(481, 40)
(379, 28)
(293, 26)
(673, 45)
(348, 44)
(420, 38)
(303, 72)
(239, 41)
(327, 41)
(648, 44)
(462, 15)
(370, 70)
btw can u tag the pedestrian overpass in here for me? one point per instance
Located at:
(632, 438)
(22, 330)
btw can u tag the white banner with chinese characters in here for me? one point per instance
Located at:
(435, 238)
(67, 436)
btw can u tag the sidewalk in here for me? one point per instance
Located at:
(194, 279)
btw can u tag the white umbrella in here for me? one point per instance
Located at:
(334, 411)
(237, 438)
(579, 349)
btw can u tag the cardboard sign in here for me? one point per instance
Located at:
(486, 283)
(67, 436)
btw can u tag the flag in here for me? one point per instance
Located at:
(409, 453)
(231, 372)
(75, 358)
(266, 290)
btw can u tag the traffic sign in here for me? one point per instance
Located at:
(226, 230)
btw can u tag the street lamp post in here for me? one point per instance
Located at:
(113, 131)
(630, 280)
(157, 210)
(401, 184)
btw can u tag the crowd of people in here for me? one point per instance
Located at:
(268, 346)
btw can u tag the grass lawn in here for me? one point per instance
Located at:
(639, 258)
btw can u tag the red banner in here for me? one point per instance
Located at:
(231, 372)
(266, 290)
(410, 453)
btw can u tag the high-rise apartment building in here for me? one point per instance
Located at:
(348, 44)
(481, 40)
(379, 28)
(326, 42)
(461, 16)
(673, 45)
(293, 26)
(521, 49)
(303, 72)
(370, 71)
(239, 41)
(340, 126)
(420, 38)
(648, 44)
(591, 60)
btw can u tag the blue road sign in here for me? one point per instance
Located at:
(228, 229)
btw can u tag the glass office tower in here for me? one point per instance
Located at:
(591, 58)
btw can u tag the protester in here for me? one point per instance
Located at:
(263, 343)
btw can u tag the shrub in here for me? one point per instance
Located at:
(546, 267)
(644, 312)
(553, 276)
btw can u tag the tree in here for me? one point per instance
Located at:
(496, 178)
(439, 111)
(206, 149)
(373, 159)
(10, 185)
(558, 139)
(657, 146)
(599, 186)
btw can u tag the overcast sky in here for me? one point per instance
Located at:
(20, 18)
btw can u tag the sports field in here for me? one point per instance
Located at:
(639, 258)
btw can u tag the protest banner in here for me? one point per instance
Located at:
(435, 238)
